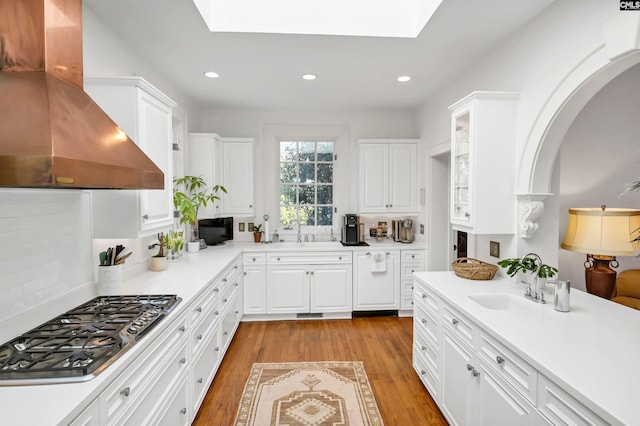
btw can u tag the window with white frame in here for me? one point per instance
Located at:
(306, 183)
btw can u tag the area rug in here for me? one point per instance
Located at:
(308, 394)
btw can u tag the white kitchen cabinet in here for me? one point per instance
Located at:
(145, 115)
(309, 282)
(388, 176)
(483, 147)
(227, 162)
(374, 290)
(560, 408)
(90, 416)
(410, 261)
(255, 283)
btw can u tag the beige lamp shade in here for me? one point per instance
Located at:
(599, 231)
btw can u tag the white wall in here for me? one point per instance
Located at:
(534, 62)
(599, 155)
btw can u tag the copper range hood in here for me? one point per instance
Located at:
(52, 134)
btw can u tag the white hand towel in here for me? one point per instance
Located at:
(378, 262)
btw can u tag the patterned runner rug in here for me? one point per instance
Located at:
(308, 394)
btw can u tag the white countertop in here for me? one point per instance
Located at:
(186, 277)
(593, 351)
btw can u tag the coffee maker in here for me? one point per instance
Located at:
(351, 230)
(403, 230)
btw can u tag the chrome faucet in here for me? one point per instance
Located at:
(535, 294)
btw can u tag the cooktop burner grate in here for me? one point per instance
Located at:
(79, 344)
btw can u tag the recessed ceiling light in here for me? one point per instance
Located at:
(212, 74)
(403, 78)
(309, 76)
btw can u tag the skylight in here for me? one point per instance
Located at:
(379, 18)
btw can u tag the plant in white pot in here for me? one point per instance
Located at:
(189, 194)
(159, 261)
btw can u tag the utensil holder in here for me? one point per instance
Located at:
(110, 274)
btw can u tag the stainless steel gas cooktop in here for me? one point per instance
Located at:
(79, 344)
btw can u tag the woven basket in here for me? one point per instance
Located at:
(473, 269)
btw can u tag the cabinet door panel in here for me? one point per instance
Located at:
(402, 178)
(237, 177)
(202, 152)
(255, 290)
(457, 381)
(373, 178)
(330, 289)
(287, 289)
(498, 404)
(376, 290)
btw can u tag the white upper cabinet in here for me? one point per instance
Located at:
(483, 139)
(227, 162)
(144, 113)
(388, 176)
(237, 175)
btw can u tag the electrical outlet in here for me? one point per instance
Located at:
(494, 248)
(241, 227)
(421, 229)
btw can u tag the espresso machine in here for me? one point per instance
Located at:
(402, 230)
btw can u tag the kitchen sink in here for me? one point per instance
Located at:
(498, 302)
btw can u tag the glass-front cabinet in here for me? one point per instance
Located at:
(461, 149)
(483, 158)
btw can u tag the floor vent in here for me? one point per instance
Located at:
(308, 315)
(356, 314)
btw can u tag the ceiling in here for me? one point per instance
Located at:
(263, 71)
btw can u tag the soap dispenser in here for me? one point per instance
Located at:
(561, 295)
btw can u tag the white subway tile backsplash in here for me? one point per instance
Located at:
(45, 249)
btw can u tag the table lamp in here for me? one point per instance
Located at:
(602, 233)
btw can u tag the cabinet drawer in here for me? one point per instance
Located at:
(167, 374)
(458, 324)
(406, 302)
(309, 258)
(427, 376)
(205, 304)
(561, 408)
(516, 371)
(425, 322)
(408, 270)
(414, 256)
(176, 412)
(254, 258)
(407, 288)
(205, 367)
(428, 349)
(426, 299)
(202, 334)
(132, 383)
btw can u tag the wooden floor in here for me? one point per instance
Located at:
(382, 343)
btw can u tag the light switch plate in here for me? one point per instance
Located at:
(494, 248)
(421, 229)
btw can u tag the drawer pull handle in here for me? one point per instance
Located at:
(183, 361)
(216, 312)
(199, 309)
(125, 392)
(469, 367)
(454, 321)
(254, 259)
(244, 273)
(235, 267)
(236, 312)
(423, 372)
(339, 257)
(225, 333)
(224, 280)
(424, 348)
(145, 217)
(200, 380)
(225, 300)
(413, 270)
(475, 373)
(424, 321)
(499, 360)
(216, 289)
(424, 296)
(182, 329)
(183, 411)
(278, 259)
(413, 256)
(199, 337)
(236, 284)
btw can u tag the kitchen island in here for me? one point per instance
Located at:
(577, 367)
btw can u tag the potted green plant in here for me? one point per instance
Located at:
(189, 194)
(159, 261)
(257, 233)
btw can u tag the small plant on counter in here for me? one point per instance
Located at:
(528, 264)
(161, 244)
(257, 233)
